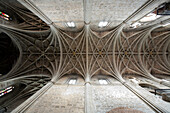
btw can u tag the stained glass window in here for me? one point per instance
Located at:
(4, 16)
(6, 90)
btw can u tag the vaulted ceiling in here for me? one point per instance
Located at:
(48, 49)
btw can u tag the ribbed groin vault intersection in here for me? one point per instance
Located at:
(85, 56)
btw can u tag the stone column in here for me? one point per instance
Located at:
(89, 103)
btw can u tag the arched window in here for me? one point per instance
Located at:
(6, 91)
(4, 16)
(72, 81)
(149, 87)
(103, 81)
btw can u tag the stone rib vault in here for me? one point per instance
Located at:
(49, 51)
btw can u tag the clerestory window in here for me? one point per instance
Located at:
(72, 81)
(103, 81)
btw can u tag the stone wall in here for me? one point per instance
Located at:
(157, 100)
(109, 97)
(64, 98)
(65, 79)
(60, 99)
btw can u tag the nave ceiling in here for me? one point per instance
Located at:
(55, 50)
(48, 49)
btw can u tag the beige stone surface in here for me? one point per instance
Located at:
(124, 110)
(113, 96)
(114, 11)
(60, 99)
(61, 10)
(157, 100)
